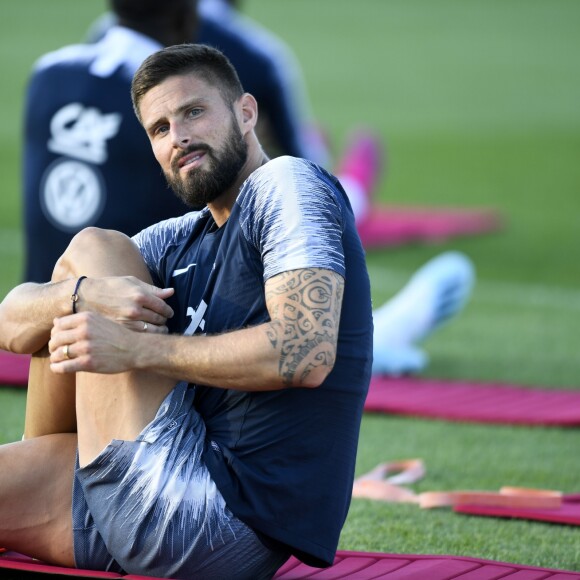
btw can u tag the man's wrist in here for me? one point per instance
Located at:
(75, 296)
(146, 350)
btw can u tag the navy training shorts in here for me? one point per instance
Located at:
(150, 507)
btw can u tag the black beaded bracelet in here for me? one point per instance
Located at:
(75, 295)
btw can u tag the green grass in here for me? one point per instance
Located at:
(12, 402)
(478, 104)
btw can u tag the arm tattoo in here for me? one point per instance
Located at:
(304, 307)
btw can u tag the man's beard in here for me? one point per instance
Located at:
(202, 186)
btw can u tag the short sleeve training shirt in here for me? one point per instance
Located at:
(284, 459)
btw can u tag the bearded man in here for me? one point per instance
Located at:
(196, 391)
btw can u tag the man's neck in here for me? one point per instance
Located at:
(221, 208)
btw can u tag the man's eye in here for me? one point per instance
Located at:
(195, 112)
(161, 129)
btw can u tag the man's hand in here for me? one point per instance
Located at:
(127, 300)
(90, 342)
(28, 311)
(101, 336)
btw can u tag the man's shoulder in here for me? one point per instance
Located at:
(170, 232)
(275, 179)
(286, 173)
(119, 49)
(74, 54)
(294, 213)
(159, 242)
(280, 167)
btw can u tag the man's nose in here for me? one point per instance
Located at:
(179, 135)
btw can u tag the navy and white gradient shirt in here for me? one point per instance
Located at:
(283, 460)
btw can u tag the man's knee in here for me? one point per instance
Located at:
(94, 247)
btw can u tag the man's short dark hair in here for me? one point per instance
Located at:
(208, 63)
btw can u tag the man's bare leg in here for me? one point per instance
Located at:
(50, 406)
(36, 475)
(35, 497)
(50, 399)
(107, 406)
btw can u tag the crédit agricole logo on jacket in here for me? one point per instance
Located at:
(72, 192)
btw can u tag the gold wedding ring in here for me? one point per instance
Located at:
(65, 351)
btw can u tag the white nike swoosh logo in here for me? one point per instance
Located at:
(181, 270)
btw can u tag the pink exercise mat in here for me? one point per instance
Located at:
(347, 565)
(474, 402)
(396, 225)
(568, 513)
(437, 399)
(14, 369)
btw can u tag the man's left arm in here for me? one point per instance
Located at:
(304, 306)
(296, 348)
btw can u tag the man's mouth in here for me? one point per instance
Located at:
(190, 159)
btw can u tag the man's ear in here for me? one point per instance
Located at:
(249, 112)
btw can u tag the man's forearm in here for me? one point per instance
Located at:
(296, 348)
(257, 358)
(264, 357)
(27, 313)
